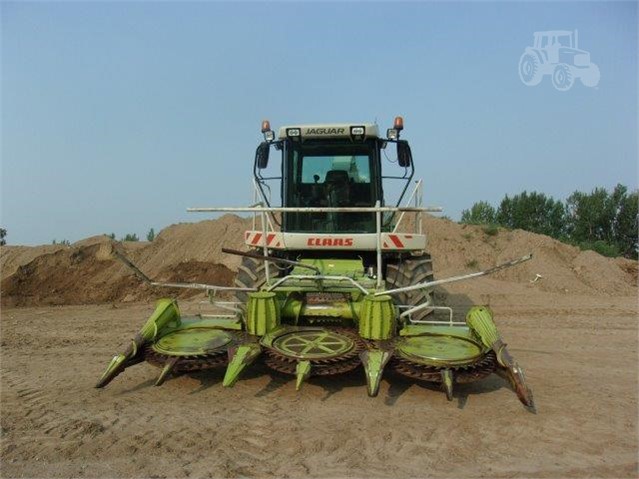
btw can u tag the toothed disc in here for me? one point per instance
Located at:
(462, 374)
(188, 363)
(330, 351)
(197, 348)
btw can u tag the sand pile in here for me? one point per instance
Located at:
(12, 257)
(86, 273)
(563, 268)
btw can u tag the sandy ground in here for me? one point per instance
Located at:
(579, 352)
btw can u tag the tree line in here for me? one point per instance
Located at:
(604, 221)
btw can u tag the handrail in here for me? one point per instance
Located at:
(263, 202)
(408, 202)
(314, 209)
(267, 213)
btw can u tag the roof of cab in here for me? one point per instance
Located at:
(330, 130)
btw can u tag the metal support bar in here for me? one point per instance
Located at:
(226, 305)
(434, 322)
(414, 309)
(378, 232)
(408, 202)
(430, 284)
(272, 259)
(258, 191)
(140, 274)
(265, 249)
(285, 279)
(420, 202)
(208, 287)
(313, 209)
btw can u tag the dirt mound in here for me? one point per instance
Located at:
(201, 241)
(561, 268)
(12, 257)
(86, 275)
(86, 272)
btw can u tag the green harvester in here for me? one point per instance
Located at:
(332, 279)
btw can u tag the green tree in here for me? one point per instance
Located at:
(131, 237)
(607, 222)
(480, 213)
(150, 236)
(603, 217)
(590, 216)
(534, 212)
(627, 225)
(3, 234)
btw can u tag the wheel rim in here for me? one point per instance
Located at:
(527, 69)
(562, 78)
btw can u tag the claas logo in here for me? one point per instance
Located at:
(330, 242)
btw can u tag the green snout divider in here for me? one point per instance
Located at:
(480, 320)
(377, 318)
(263, 313)
(166, 313)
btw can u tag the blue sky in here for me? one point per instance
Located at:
(116, 117)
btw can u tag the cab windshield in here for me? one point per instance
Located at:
(333, 175)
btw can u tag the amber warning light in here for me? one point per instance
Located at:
(269, 135)
(398, 125)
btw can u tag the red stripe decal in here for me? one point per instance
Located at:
(256, 238)
(269, 238)
(396, 241)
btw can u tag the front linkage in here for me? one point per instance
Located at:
(439, 352)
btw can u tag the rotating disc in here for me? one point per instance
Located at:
(439, 350)
(193, 342)
(330, 351)
(313, 344)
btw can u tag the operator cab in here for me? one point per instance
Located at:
(331, 166)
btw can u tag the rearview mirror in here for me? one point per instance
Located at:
(404, 155)
(261, 155)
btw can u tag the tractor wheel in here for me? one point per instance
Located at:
(410, 271)
(591, 76)
(530, 69)
(562, 77)
(250, 274)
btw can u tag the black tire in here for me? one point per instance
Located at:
(410, 271)
(250, 274)
(562, 77)
(590, 77)
(530, 69)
